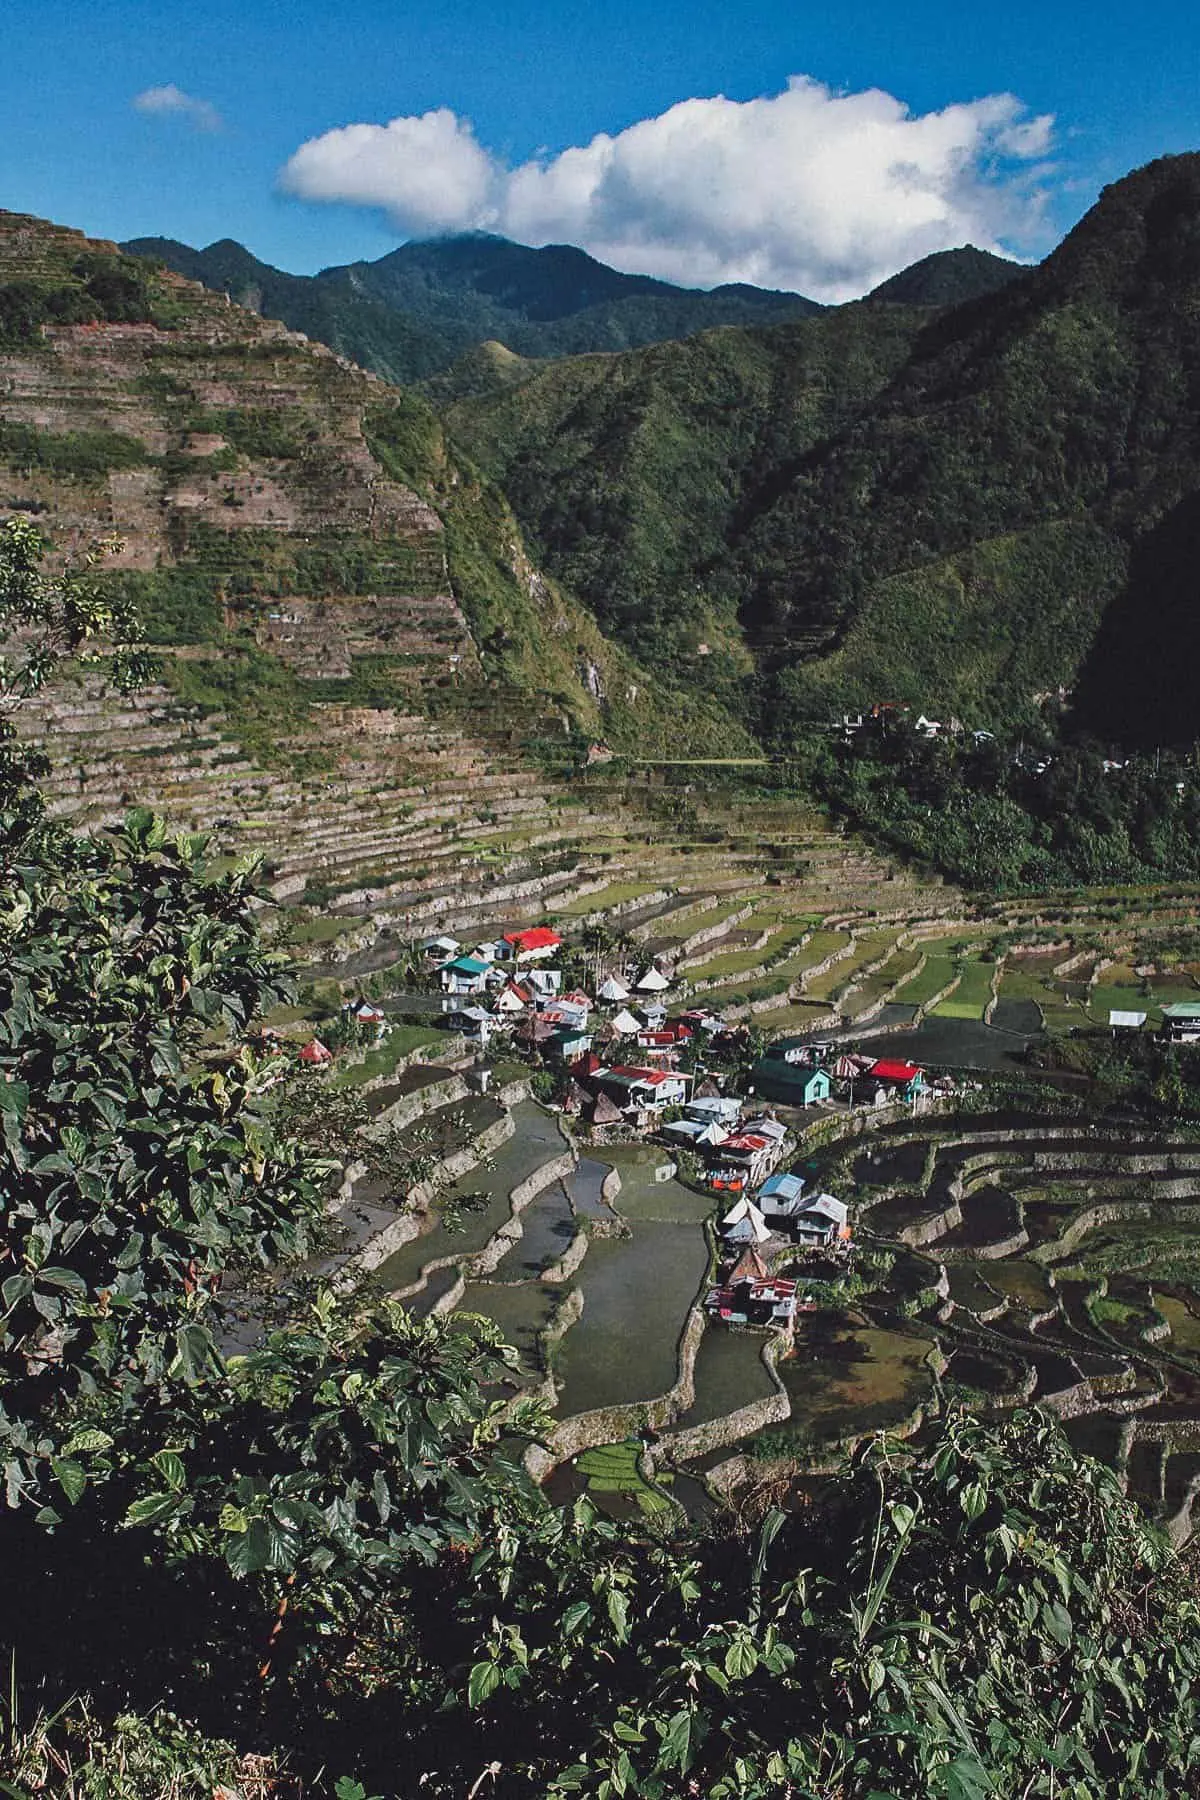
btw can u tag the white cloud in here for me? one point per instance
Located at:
(171, 101)
(809, 190)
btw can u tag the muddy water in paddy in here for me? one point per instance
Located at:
(729, 1374)
(547, 1228)
(636, 1295)
(520, 1312)
(536, 1138)
(851, 1375)
(584, 1186)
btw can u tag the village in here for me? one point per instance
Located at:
(626, 1065)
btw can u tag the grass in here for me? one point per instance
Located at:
(400, 1041)
(618, 894)
(612, 1469)
(1059, 1012)
(867, 950)
(972, 995)
(930, 981)
(878, 987)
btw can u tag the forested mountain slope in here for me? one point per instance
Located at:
(963, 509)
(410, 313)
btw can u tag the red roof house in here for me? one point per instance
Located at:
(316, 1053)
(539, 940)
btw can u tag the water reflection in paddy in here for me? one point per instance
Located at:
(535, 1140)
(636, 1295)
(729, 1374)
(547, 1228)
(520, 1312)
(850, 1375)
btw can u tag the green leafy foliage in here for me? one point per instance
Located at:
(1001, 815)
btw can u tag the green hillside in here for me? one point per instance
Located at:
(965, 509)
(409, 314)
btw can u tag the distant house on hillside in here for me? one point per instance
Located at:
(533, 945)
(613, 990)
(780, 1198)
(513, 999)
(791, 1084)
(464, 975)
(744, 1224)
(906, 1080)
(1181, 1022)
(824, 1220)
(653, 981)
(316, 1054)
(643, 1090)
(474, 1022)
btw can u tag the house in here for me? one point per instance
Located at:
(569, 1042)
(605, 1113)
(316, 1054)
(492, 951)
(790, 1083)
(474, 1022)
(653, 981)
(464, 975)
(725, 1108)
(513, 998)
(697, 1133)
(441, 947)
(542, 981)
(750, 1153)
(771, 1303)
(1181, 1022)
(367, 1013)
(536, 1032)
(779, 1198)
(906, 1081)
(562, 1012)
(587, 1065)
(533, 945)
(665, 1037)
(748, 1267)
(1125, 1021)
(643, 1090)
(744, 1224)
(575, 1100)
(577, 998)
(824, 1220)
(613, 989)
(625, 1024)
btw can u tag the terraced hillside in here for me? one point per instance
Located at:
(1061, 1265)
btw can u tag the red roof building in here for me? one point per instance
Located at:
(903, 1073)
(538, 937)
(316, 1052)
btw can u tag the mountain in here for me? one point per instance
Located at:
(947, 278)
(412, 312)
(397, 346)
(964, 509)
(284, 517)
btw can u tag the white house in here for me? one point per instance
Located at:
(613, 989)
(465, 975)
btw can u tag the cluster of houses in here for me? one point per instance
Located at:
(781, 1216)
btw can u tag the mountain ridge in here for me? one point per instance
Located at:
(409, 314)
(939, 507)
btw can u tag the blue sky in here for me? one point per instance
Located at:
(526, 81)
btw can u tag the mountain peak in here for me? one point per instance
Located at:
(948, 277)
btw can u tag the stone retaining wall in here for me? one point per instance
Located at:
(409, 1107)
